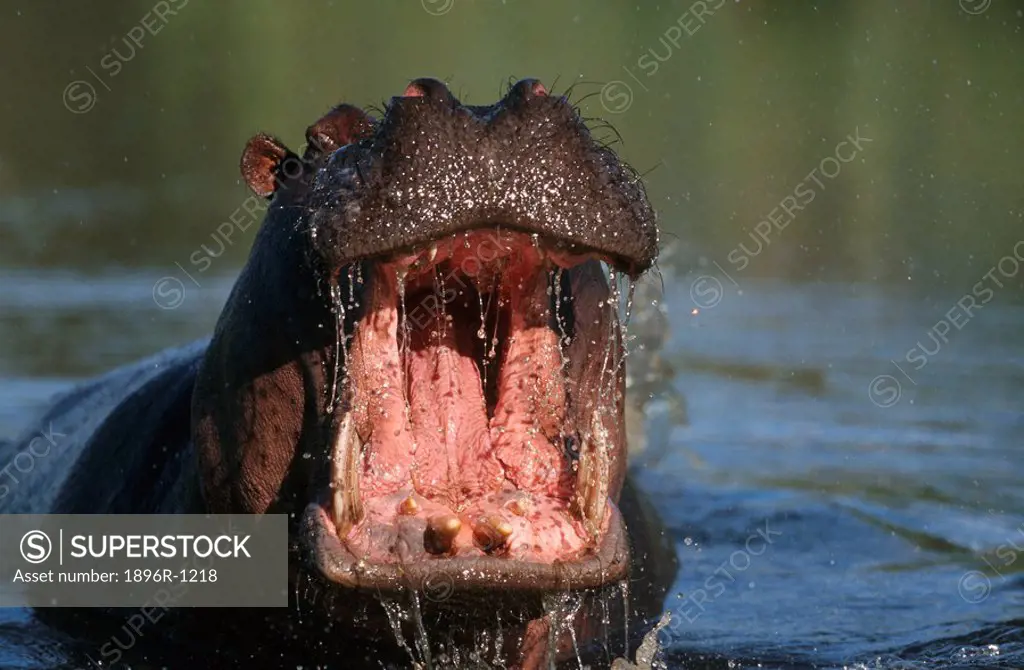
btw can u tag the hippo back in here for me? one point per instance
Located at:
(112, 428)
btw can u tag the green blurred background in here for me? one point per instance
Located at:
(736, 115)
(119, 161)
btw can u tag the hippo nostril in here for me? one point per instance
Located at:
(524, 89)
(426, 87)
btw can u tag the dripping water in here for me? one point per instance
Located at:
(441, 317)
(422, 641)
(626, 338)
(560, 610)
(624, 589)
(486, 650)
(340, 351)
(629, 302)
(490, 346)
(355, 275)
(341, 339)
(551, 612)
(495, 291)
(606, 621)
(615, 330)
(555, 283)
(611, 307)
(572, 633)
(404, 333)
(499, 643)
(396, 615)
(298, 596)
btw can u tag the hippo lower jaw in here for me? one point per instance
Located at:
(479, 437)
(607, 562)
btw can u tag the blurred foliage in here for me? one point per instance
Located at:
(736, 115)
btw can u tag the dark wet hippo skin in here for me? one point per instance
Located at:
(421, 363)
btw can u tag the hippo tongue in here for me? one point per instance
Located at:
(459, 407)
(459, 379)
(452, 453)
(530, 415)
(467, 444)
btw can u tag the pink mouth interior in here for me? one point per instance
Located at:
(460, 403)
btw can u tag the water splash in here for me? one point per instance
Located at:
(422, 641)
(560, 610)
(647, 652)
(397, 614)
(485, 651)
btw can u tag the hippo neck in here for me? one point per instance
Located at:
(261, 389)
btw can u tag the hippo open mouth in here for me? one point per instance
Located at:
(479, 438)
(461, 449)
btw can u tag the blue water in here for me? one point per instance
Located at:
(815, 527)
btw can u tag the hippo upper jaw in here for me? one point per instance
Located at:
(434, 167)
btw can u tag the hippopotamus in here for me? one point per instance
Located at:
(421, 364)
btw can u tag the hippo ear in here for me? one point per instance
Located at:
(342, 125)
(261, 159)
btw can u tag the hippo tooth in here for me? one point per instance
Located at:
(492, 533)
(347, 505)
(409, 506)
(432, 253)
(592, 475)
(439, 536)
(519, 506)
